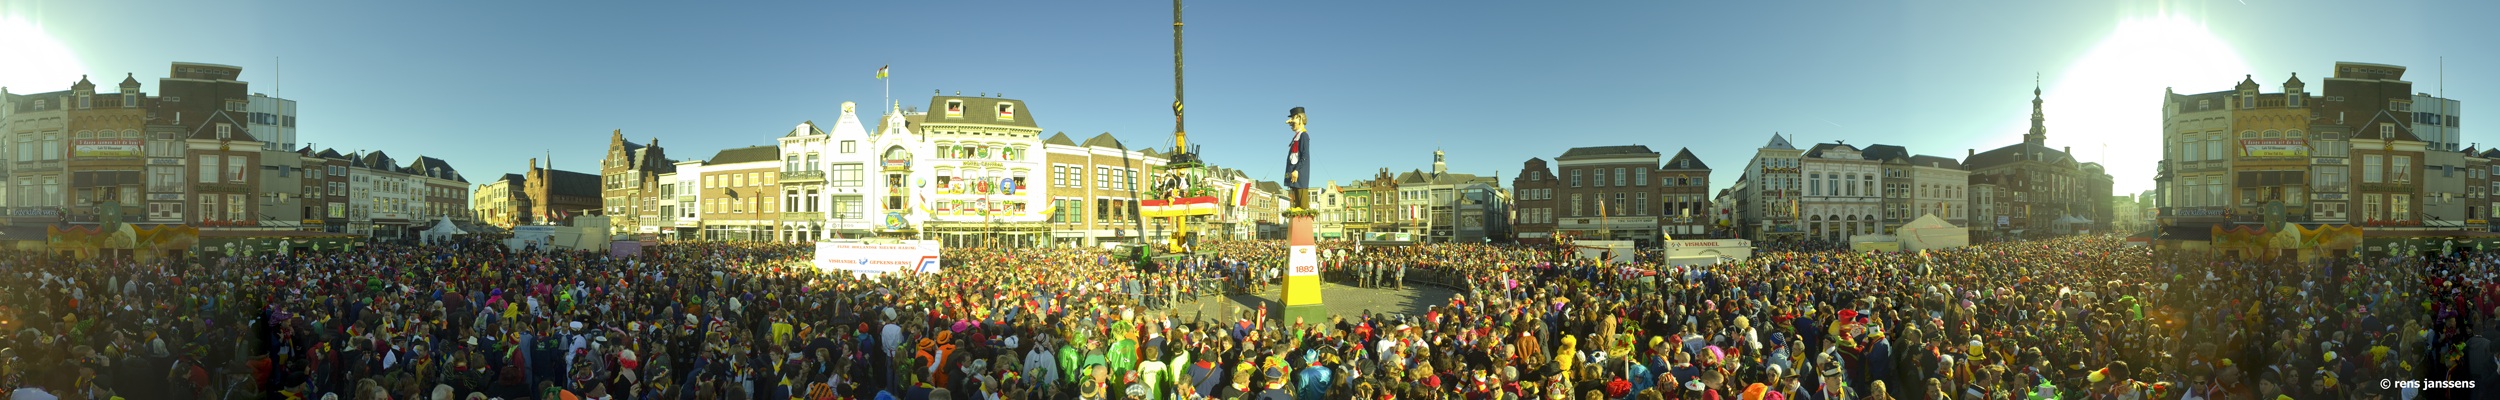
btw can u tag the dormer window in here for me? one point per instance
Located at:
(130, 100)
(86, 101)
(954, 108)
(2248, 101)
(2292, 99)
(2400, 106)
(2205, 104)
(1006, 112)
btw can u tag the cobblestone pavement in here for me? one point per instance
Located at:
(1340, 299)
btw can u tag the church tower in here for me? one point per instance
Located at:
(1438, 166)
(2039, 135)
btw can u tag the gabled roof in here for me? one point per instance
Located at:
(2492, 153)
(979, 110)
(1271, 187)
(2014, 153)
(569, 183)
(848, 125)
(1150, 152)
(1103, 140)
(1778, 142)
(1605, 151)
(377, 160)
(1685, 160)
(330, 154)
(437, 168)
(812, 129)
(236, 129)
(512, 178)
(1060, 138)
(2367, 130)
(746, 154)
(1886, 152)
(1817, 150)
(1934, 161)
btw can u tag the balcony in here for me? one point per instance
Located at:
(802, 216)
(685, 200)
(802, 177)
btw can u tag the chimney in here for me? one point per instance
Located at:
(1972, 153)
(2070, 151)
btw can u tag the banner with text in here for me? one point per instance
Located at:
(919, 256)
(2274, 147)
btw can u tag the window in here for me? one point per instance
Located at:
(2214, 146)
(208, 208)
(1640, 203)
(224, 131)
(791, 163)
(1816, 189)
(850, 146)
(1575, 203)
(2402, 169)
(2191, 149)
(235, 204)
(2214, 195)
(2400, 207)
(1575, 180)
(2386, 130)
(1102, 178)
(1619, 176)
(209, 171)
(2329, 179)
(51, 147)
(2372, 168)
(954, 108)
(1640, 177)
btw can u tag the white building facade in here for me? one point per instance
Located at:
(1842, 198)
(960, 173)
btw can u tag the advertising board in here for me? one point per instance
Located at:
(916, 256)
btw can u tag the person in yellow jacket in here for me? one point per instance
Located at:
(1567, 357)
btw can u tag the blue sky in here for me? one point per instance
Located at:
(487, 85)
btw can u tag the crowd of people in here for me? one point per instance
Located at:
(2073, 318)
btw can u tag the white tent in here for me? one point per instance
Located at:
(443, 230)
(1930, 232)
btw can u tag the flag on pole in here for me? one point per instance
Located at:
(1241, 197)
(881, 71)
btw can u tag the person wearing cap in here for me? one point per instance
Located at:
(1275, 377)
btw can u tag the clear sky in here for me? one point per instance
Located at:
(487, 85)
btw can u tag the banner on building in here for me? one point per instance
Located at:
(106, 148)
(2274, 148)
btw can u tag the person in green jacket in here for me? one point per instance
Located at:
(1153, 373)
(1123, 355)
(1067, 361)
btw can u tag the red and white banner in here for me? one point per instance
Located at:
(1177, 207)
(1242, 197)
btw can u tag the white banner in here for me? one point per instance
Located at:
(1304, 261)
(915, 255)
